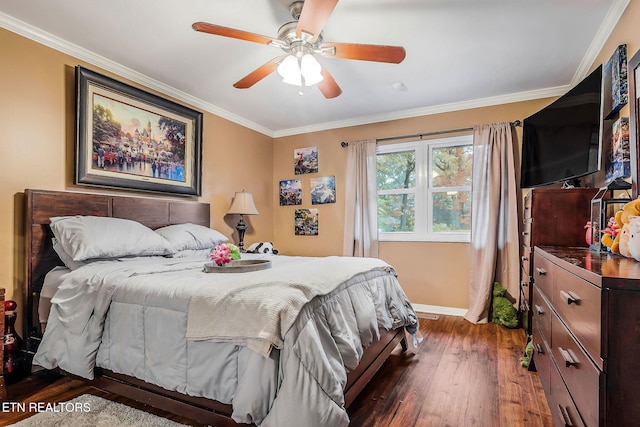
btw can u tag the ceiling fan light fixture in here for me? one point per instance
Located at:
(289, 70)
(293, 71)
(311, 70)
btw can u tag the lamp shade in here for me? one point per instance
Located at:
(293, 69)
(243, 204)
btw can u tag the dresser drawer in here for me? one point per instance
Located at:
(525, 262)
(581, 376)
(561, 405)
(526, 233)
(578, 303)
(542, 359)
(542, 277)
(542, 314)
(526, 214)
(524, 300)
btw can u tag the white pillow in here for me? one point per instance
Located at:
(192, 253)
(191, 237)
(86, 237)
(65, 257)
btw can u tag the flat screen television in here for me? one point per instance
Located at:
(561, 142)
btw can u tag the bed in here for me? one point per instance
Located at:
(142, 340)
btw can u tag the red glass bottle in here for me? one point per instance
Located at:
(12, 343)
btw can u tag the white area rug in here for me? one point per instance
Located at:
(88, 410)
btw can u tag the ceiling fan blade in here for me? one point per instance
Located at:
(218, 30)
(258, 74)
(364, 52)
(328, 85)
(314, 16)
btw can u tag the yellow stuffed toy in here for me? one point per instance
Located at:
(616, 231)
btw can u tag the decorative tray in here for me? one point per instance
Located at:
(238, 266)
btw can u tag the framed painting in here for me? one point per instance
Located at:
(305, 160)
(290, 192)
(634, 119)
(615, 82)
(132, 139)
(306, 222)
(323, 190)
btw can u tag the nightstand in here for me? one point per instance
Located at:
(3, 389)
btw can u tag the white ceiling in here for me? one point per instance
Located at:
(460, 53)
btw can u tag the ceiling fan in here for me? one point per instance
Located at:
(301, 40)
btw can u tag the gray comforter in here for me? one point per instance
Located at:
(131, 317)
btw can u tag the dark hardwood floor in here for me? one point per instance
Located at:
(462, 375)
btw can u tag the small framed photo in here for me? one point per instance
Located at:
(129, 138)
(323, 190)
(306, 222)
(305, 160)
(290, 192)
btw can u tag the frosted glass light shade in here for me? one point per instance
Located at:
(289, 70)
(293, 70)
(311, 70)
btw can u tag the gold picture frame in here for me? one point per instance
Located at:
(132, 139)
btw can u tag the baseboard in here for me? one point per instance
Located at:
(437, 309)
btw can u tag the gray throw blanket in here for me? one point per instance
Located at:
(256, 309)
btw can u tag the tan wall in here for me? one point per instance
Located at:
(37, 144)
(36, 107)
(430, 273)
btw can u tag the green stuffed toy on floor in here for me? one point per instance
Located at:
(526, 359)
(503, 312)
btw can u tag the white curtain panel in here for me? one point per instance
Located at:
(361, 204)
(495, 242)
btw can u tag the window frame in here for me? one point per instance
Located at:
(424, 190)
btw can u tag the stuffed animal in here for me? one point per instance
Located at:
(634, 237)
(528, 350)
(623, 247)
(614, 231)
(262, 248)
(610, 234)
(503, 312)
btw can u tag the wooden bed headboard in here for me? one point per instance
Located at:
(41, 205)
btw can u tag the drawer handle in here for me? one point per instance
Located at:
(541, 271)
(539, 349)
(568, 360)
(524, 284)
(525, 233)
(570, 297)
(539, 310)
(564, 414)
(524, 258)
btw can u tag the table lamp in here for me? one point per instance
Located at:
(242, 204)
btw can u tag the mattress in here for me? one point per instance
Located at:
(136, 324)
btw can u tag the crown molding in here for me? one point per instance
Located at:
(26, 30)
(436, 109)
(33, 33)
(602, 35)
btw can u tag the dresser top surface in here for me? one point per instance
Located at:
(602, 268)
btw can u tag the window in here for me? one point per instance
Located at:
(424, 190)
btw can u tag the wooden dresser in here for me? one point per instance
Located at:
(3, 389)
(586, 334)
(545, 224)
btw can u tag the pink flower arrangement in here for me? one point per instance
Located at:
(224, 253)
(220, 254)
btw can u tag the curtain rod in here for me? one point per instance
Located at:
(421, 135)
